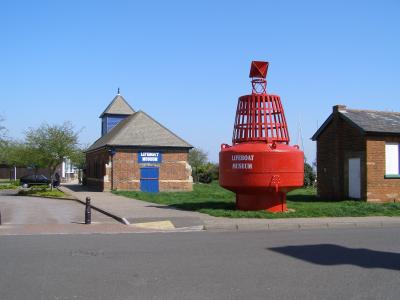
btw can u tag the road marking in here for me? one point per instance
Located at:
(160, 225)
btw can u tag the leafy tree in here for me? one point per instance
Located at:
(78, 159)
(3, 131)
(197, 158)
(3, 141)
(51, 144)
(309, 175)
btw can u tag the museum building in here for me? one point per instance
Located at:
(135, 152)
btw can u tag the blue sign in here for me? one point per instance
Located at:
(149, 157)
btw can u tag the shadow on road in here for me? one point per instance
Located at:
(330, 255)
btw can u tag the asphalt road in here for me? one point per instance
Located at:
(34, 210)
(309, 264)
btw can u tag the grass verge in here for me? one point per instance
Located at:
(9, 184)
(216, 201)
(42, 191)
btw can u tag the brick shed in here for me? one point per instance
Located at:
(358, 155)
(135, 152)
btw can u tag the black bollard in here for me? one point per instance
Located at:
(88, 211)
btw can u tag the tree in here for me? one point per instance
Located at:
(78, 159)
(309, 175)
(52, 144)
(3, 131)
(3, 142)
(197, 158)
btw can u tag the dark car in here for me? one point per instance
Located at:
(30, 180)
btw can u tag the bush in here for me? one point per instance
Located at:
(208, 172)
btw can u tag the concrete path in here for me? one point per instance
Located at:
(149, 214)
(17, 210)
(25, 215)
(140, 213)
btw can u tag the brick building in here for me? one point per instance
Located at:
(358, 155)
(135, 152)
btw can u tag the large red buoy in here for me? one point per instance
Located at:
(260, 166)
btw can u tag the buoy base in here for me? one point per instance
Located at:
(269, 201)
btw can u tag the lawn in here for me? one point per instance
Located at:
(216, 201)
(9, 184)
(41, 191)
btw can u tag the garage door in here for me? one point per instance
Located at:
(149, 179)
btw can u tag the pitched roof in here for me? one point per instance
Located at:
(374, 121)
(139, 129)
(367, 121)
(118, 106)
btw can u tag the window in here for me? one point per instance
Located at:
(392, 153)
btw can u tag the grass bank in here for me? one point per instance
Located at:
(216, 201)
(42, 191)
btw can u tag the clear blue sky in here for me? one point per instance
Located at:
(186, 63)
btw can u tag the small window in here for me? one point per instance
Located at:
(392, 153)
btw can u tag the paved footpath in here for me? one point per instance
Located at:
(157, 216)
(25, 215)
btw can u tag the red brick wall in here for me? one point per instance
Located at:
(380, 188)
(175, 173)
(96, 170)
(335, 145)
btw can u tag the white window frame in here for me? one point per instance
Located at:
(392, 160)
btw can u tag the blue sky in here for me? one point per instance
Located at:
(186, 62)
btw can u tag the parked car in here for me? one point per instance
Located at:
(30, 180)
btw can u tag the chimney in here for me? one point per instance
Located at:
(339, 108)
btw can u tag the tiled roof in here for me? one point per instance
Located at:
(139, 129)
(374, 121)
(118, 106)
(367, 121)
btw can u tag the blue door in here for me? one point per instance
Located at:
(149, 179)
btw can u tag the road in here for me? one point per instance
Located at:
(34, 210)
(301, 264)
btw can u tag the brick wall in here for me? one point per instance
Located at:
(380, 188)
(335, 145)
(98, 172)
(175, 172)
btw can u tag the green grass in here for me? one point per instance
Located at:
(41, 191)
(216, 201)
(9, 184)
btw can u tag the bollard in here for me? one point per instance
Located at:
(88, 211)
(0, 217)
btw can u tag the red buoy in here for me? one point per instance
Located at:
(260, 166)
